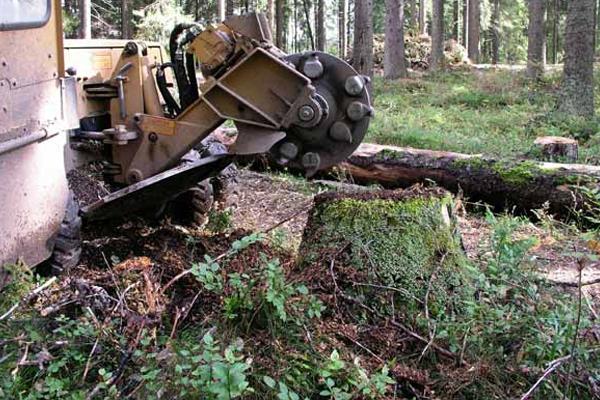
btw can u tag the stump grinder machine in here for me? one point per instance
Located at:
(147, 113)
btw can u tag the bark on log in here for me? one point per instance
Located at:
(525, 185)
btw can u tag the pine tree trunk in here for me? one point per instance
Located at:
(422, 17)
(279, 22)
(85, 27)
(555, 22)
(394, 63)
(321, 28)
(437, 36)
(343, 28)
(465, 26)
(271, 14)
(496, 32)
(414, 15)
(577, 89)
(455, 24)
(220, 10)
(125, 20)
(535, 39)
(474, 30)
(229, 8)
(362, 54)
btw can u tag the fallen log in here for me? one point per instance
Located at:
(523, 184)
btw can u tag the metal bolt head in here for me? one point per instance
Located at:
(288, 150)
(153, 137)
(357, 110)
(340, 132)
(306, 113)
(311, 160)
(313, 68)
(354, 85)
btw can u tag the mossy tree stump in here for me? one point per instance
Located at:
(395, 250)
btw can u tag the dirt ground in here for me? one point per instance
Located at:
(279, 204)
(263, 201)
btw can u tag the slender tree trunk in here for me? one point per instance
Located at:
(577, 89)
(394, 63)
(422, 17)
(362, 54)
(125, 20)
(295, 44)
(309, 30)
(496, 32)
(455, 23)
(465, 25)
(279, 22)
(229, 8)
(85, 27)
(321, 28)
(474, 30)
(437, 36)
(343, 28)
(555, 22)
(414, 15)
(535, 39)
(271, 14)
(220, 10)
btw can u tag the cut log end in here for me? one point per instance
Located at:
(551, 148)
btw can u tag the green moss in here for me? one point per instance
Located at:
(396, 243)
(512, 172)
(471, 163)
(521, 173)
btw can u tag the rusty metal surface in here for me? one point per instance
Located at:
(34, 107)
(155, 190)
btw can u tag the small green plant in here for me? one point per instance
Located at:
(219, 221)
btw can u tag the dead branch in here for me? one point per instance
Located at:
(30, 296)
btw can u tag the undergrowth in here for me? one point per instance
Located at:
(493, 112)
(250, 323)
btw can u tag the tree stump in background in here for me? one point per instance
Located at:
(557, 148)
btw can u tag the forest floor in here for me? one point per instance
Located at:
(264, 200)
(491, 111)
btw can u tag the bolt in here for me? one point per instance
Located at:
(288, 150)
(311, 160)
(340, 132)
(306, 113)
(153, 137)
(5, 109)
(134, 176)
(313, 68)
(354, 85)
(357, 110)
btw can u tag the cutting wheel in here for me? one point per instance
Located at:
(343, 103)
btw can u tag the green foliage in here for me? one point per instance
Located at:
(492, 112)
(70, 23)
(157, 20)
(219, 221)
